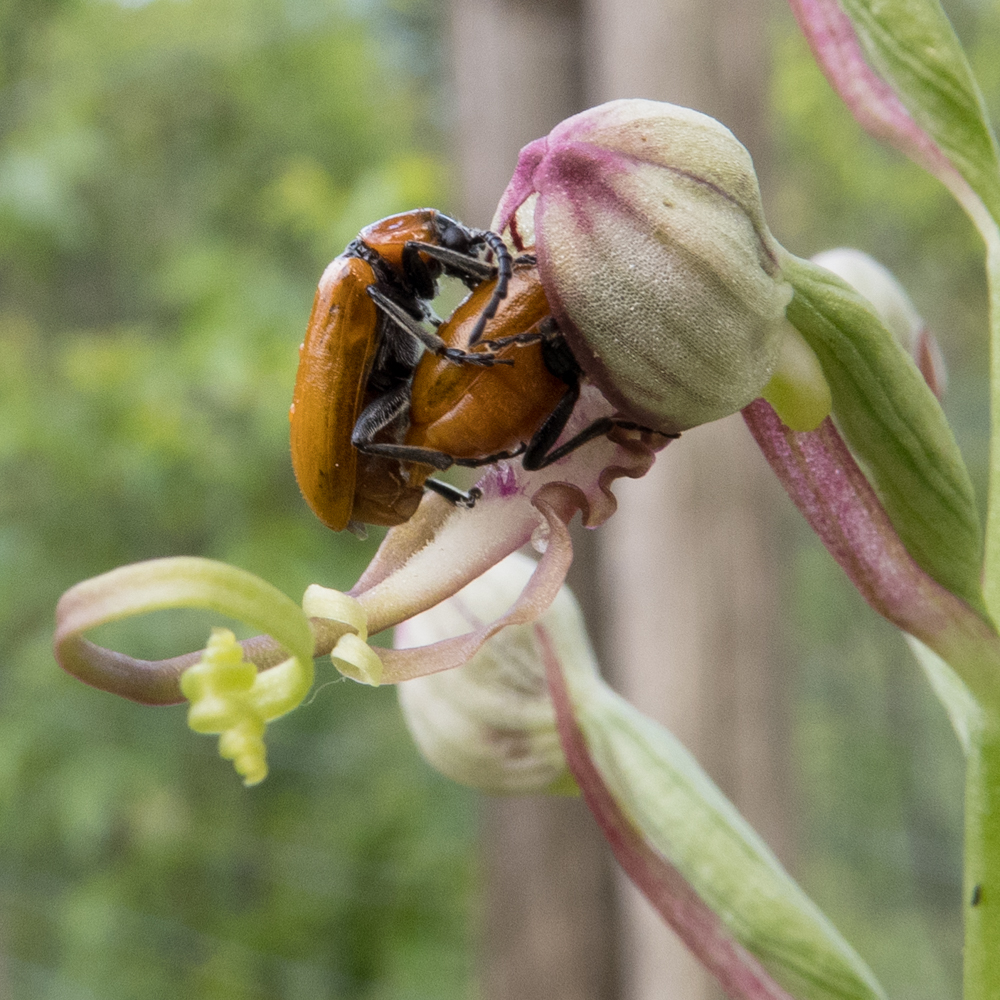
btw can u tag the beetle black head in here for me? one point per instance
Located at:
(453, 235)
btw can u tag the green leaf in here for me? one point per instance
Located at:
(913, 46)
(894, 425)
(683, 816)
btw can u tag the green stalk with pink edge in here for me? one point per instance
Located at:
(900, 68)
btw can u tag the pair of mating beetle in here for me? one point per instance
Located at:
(381, 400)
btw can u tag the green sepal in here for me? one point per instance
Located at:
(894, 425)
(913, 46)
(682, 814)
(964, 712)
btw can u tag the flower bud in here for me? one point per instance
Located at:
(655, 256)
(490, 723)
(895, 308)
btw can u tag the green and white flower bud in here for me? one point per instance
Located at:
(879, 286)
(493, 725)
(490, 723)
(894, 306)
(655, 256)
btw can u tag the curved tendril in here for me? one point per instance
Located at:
(183, 582)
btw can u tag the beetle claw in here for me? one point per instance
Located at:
(469, 501)
(485, 359)
(453, 494)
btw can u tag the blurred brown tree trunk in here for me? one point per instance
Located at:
(690, 560)
(683, 612)
(549, 926)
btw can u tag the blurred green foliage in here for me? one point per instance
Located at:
(173, 178)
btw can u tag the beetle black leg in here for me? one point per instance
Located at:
(543, 330)
(536, 455)
(423, 456)
(378, 414)
(403, 452)
(597, 429)
(454, 495)
(472, 270)
(541, 452)
(456, 256)
(505, 268)
(381, 412)
(430, 340)
(559, 360)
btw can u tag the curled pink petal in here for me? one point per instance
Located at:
(148, 682)
(465, 545)
(179, 582)
(540, 592)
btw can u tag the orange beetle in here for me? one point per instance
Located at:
(467, 416)
(463, 417)
(362, 344)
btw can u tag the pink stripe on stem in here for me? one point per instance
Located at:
(827, 485)
(835, 45)
(739, 972)
(831, 491)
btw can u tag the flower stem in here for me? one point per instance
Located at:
(981, 887)
(991, 572)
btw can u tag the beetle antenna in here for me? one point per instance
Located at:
(470, 269)
(505, 267)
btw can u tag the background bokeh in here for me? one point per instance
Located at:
(173, 178)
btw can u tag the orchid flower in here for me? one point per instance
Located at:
(724, 341)
(680, 307)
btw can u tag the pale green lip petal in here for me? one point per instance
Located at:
(228, 696)
(179, 582)
(489, 723)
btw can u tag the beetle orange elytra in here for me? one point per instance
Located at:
(362, 343)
